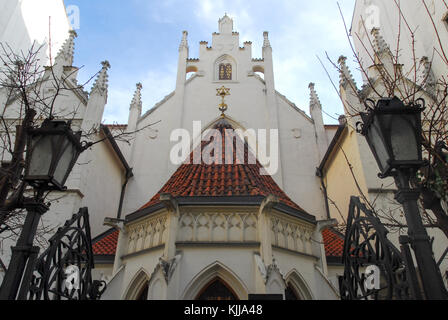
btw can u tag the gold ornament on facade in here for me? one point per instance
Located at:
(223, 92)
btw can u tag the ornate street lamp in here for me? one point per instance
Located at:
(53, 151)
(51, 154)
(394, 134)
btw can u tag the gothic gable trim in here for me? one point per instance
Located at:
(296, 280)
(139, 280)
(213, 271)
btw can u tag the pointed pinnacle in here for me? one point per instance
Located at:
(266, 42)
(428, 79)
(345, 75)
(379, 44)
(101, 82)
(67, 50)
(137, 99)
(314, 98)
(184, 41)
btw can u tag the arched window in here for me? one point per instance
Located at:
(225, 68)
(291, 294)
(217, 290)
(225, 71)
(297, 288)
(143, 294)
(138, 287)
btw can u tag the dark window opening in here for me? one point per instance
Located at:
(217, 290)
(291, 294)
(143, 294)
(225, 71)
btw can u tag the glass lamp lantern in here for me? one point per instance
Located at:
(394, 134)
(52, 152)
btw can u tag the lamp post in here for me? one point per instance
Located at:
(394, 134)
(51, 154)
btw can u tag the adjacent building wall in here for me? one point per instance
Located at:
(24, 21)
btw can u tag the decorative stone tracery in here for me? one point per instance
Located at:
(147, 234)
(217, 227)
(289, 235)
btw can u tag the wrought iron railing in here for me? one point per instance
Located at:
(366, 244)
(64, 270)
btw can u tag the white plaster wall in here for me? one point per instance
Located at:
(102, 272)
(103, 188)
(305, 266)
(25, 21)
(147, 263)
(238, 260)
(334, 271)
(67, 106)
(331, 131)
(114, 286)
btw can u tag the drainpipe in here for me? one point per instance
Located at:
(320, 174)
(129, 175)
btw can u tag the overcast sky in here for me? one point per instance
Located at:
(140, 38)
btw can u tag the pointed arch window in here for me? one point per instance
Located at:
(143, 293)
(225, 71)
(291, 293)
(217, 290)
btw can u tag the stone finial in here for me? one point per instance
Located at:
(225, 24)
(101, 82)
(137, 99)
(379, 44)
(314, 98)
(266, 43)
(428, 80)
(67, 50)
(345, 75)
(184, 41)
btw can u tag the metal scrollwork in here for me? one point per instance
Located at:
(64, 270)
(366, 245)
(369, 104)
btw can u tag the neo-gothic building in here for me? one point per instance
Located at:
(220, 230)
(193, 230)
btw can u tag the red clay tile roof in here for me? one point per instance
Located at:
(334, 243)
(196, 180)
(222, 180)
(106, 244)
